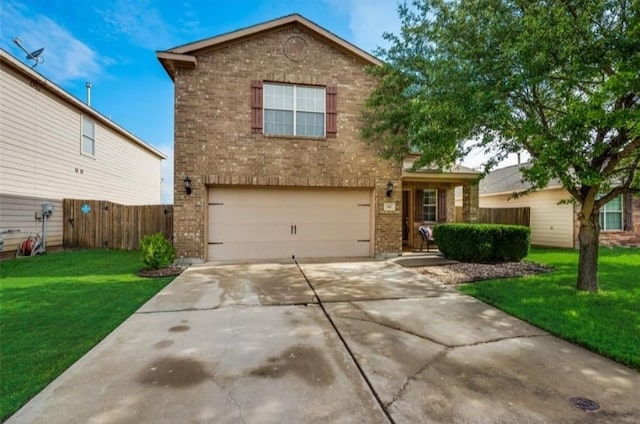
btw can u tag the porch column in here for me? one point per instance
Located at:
(470, 202)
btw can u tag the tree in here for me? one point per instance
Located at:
(557, 78)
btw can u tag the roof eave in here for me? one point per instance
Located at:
(440, 176)
(520, 190)
(171, 61)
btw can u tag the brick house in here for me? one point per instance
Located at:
(267, 138)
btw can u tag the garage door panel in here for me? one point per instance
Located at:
(267, 214)
(333, 248)
(236, 250)
(333, 231)
(248, 232)
(328, 215)
(264, 223)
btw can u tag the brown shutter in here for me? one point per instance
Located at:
(332, 111)
(442, 205)
(256, 107)
(628, 212)
(419, 206)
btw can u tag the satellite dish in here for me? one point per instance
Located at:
(34, 54)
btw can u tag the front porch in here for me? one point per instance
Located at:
(428, 198)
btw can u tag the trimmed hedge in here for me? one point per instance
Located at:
(482, 242)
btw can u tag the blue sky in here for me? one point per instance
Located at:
(112, 44)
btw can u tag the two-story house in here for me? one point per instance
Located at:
(54, 146)
(268, 158)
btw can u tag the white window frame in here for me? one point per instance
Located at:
(85, 136)
(608, 209)
(295, 110)
(434, 204)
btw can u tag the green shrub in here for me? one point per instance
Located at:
(157, 251)
(482, 242)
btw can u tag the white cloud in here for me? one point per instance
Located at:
(368, 20)
(65, 58)
(139, 22)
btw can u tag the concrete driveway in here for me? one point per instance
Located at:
(366, 342)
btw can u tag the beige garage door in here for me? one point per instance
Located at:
(259, 223)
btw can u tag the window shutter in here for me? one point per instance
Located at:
(628, 212)
(332, 111)
(442, 205)
(419, 206)
(256, 106)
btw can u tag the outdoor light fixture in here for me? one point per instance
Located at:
(187, 185)
(389, 189)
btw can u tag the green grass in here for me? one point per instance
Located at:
(55, 307)
(607, 322)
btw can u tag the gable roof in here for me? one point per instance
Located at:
(509, 180)
(185, 56)
(6, 59)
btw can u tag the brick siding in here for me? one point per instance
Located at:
(615, 238)
(214, 144)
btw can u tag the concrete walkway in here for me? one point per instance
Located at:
(366, 342)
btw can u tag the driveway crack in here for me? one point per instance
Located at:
(414, 376)
(238, 405)
(372, 320)
(500, 339)
(229, 393)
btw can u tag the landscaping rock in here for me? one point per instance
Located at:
(467, 272)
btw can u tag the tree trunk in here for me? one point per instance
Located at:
(588, 236)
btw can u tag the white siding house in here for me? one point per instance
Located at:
(553, 221)
(53, 146)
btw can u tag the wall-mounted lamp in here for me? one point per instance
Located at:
(389, 189)
(187, 185)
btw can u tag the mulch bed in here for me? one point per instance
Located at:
(169, 271)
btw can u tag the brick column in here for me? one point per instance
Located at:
(470, 202)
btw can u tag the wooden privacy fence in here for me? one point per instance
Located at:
(511, 216)
(98, 223)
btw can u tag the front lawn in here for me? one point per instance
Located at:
(55, 307)
(607, 322)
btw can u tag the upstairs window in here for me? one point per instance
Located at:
(88, 142)
(611, 215)
(293, 110)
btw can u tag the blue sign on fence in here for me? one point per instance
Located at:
(85, 208)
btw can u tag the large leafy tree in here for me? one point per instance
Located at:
(559, 79)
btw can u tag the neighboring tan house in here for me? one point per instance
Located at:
(53, 146)
(267, 138)
(554, 223)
